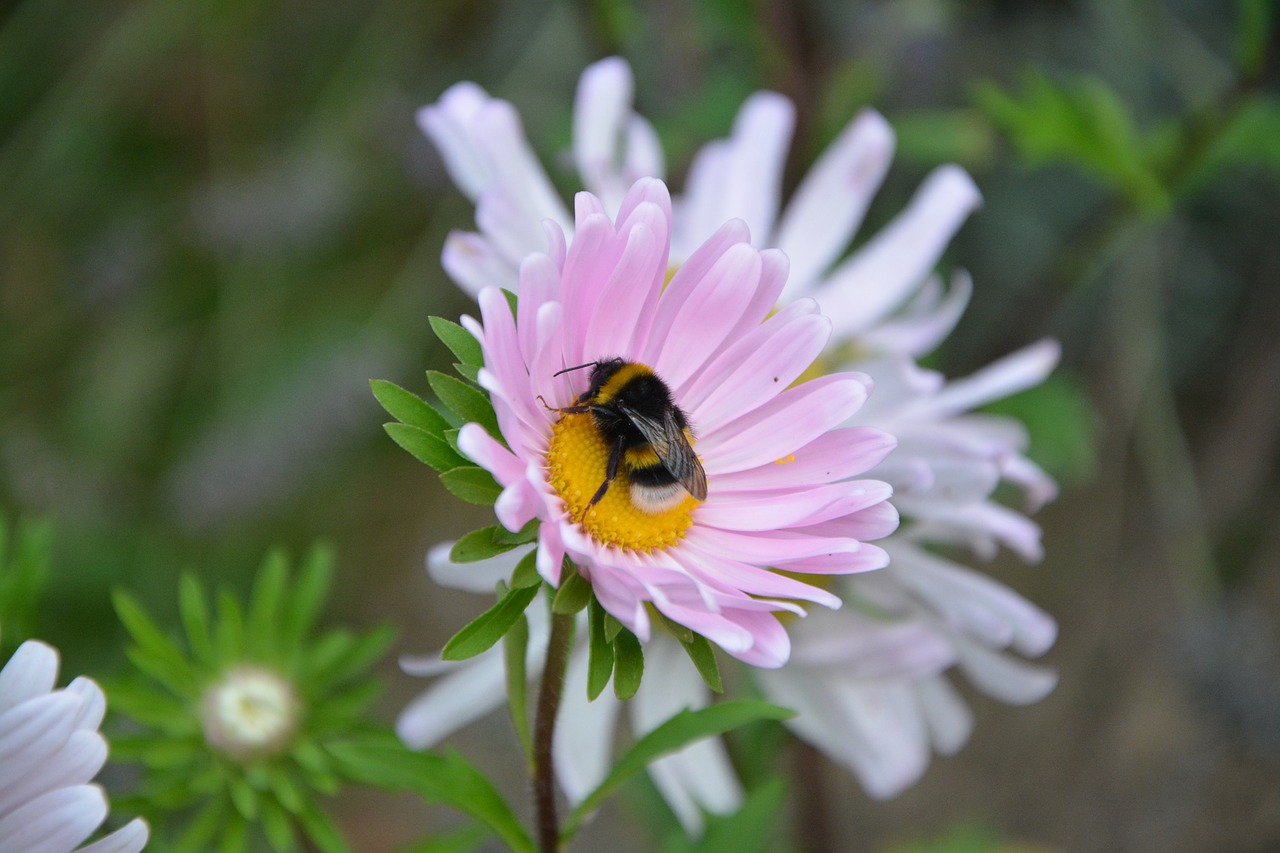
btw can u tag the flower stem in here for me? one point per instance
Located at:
(544, 791)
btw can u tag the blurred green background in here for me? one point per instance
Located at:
(218, 221)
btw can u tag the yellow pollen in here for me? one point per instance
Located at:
(786, 460)
(577, 460)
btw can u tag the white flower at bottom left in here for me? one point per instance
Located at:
(50, 750)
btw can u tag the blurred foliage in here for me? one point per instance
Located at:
(25, 548)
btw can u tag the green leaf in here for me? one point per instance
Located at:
(574, 594)
(428, 448)
(472, 484)
(321, 832)
(154, 653)
(704, 658)
(751, 829)
(359, 656)
(193, 607)
(408, 408)
(448, 779)
(628, 665)
(233, 836)
(523, 536)
(1255, 29)
(228, 634)
(465, 400)
(459, 341)
(490, 626)
(612, 627)
(515, 649)
(278, 828)
(265, 605)
(526, 572)
(676, 733)
(599, 652)
(309, 593)
(463, 840)
(1084, 123)
(479, 545)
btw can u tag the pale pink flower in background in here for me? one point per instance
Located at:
(780, 469)
(50, 750)
(696, 779)
(888, 307)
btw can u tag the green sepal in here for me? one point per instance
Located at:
(526, 572)
(408, 408)
(612, 627)
(523, 536)
(465, 400)
(472, 484)
(628, 665)
(703, 656)
(599, 652)
(479, 545)
(459, 341)
(515, 649)
(574, 594)
(428, 448)
(469, 372)
(486, 629)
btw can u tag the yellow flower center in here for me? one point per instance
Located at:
(577, 461)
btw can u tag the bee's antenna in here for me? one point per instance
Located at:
(579, 367)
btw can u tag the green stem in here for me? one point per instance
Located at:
(559, 645)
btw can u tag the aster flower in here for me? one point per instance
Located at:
(50, 750)
(780, 493)
(243, 729)
(694, 780)
(888, 308)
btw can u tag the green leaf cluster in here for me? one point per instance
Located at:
(228, 799)
(429, 430)
(25, 549)
(1085, 123)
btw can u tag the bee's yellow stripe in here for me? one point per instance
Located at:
(618, 381)
(642, 457)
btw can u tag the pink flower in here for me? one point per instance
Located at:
(780, 470)
(888, 307)
(50, 750)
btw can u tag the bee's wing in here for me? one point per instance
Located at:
(668, 440)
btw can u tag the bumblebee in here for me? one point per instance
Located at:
(647, 433)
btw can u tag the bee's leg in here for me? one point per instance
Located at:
(615, 460)
(567, 410)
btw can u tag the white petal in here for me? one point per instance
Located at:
(31, 671)
(478, 576)
(823, 215)
(465, 695)
(896, 261)
(949, 719)
(130, 838)
(1003, 677)
(55, 822)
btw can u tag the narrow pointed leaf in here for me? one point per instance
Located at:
(489, 627)
(458, 340)
(676, 733)
(408, 408)
(574, 594)
(628, 665)
(599, 652)
(515, 650)
(472, 484)
(428, 448)
(465, 400)
(479, 545)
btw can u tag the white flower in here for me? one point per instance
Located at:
(50, 750)
(879, 702)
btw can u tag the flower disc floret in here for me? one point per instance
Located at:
(726, 566)
(250, 712)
